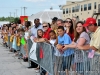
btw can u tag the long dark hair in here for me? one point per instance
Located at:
(37, 33)
(76, 33)
(71, 30)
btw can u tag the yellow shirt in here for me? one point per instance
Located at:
(95, 39)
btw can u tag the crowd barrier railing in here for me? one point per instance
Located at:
(78, 63)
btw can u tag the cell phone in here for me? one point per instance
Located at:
(63, 46)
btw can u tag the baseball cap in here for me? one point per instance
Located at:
(89, 21)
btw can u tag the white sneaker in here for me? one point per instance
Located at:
(37, 71)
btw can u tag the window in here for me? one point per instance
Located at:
(67, 11)
(63, 11)
(95, 5)
(81, 8)
(98, 22)
(89, 6)
(77, 8)
(85, 7)
(73, 9)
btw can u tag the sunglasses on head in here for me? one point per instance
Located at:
(67, 21)
(45, 26)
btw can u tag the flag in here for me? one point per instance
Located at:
(23, 41)
(41, 53)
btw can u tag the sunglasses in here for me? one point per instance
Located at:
(67, 21)
(45, 26)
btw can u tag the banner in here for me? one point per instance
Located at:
(23, 18)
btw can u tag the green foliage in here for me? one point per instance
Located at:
(11, 19)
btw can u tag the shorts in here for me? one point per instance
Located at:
(67, 62)
(58, 62)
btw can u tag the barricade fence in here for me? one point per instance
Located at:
(78, 63)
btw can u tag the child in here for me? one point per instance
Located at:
(52, 37)
(64, 39)
(39, 33)
(36, 39)
(24, 43)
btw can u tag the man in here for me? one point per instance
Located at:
(53, 24)
(95, 38)
(33, 33)
(58, 23)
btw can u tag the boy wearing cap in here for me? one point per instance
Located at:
(95, 38)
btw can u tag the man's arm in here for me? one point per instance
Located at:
(93, 48)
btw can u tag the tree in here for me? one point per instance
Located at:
(10, 19)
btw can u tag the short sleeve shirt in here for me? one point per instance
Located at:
(95, 39)
(78, 53)
(65, 40)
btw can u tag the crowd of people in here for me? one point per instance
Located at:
(65, 36)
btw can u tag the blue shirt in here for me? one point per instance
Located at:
(65, 40)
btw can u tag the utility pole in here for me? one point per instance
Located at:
(10, 14)
(24, 10)
(16, 12)
(21, 11)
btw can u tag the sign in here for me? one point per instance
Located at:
(23, 18)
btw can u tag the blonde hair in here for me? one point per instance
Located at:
(45, 23)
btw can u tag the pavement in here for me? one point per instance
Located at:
(11, 65)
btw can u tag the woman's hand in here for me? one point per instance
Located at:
(35, 40)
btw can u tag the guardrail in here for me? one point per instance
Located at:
(78, 63)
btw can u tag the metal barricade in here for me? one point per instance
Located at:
(29, 44)
(46, 62)
(75, 64)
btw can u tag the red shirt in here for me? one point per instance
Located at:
(46, 34)
(71, 36)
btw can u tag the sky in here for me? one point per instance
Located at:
(13, 7)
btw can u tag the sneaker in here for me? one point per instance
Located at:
(37, 71)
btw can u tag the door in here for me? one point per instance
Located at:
(99, 8)
(98, 22)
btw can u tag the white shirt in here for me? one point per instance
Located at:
(52, 42)
(56, 52)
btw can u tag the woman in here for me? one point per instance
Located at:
(81, 39)
(69, 28)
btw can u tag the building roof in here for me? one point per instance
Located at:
(74, 2)
(46, 15)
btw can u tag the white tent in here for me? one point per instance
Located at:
(46, 15)
(4, 22)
